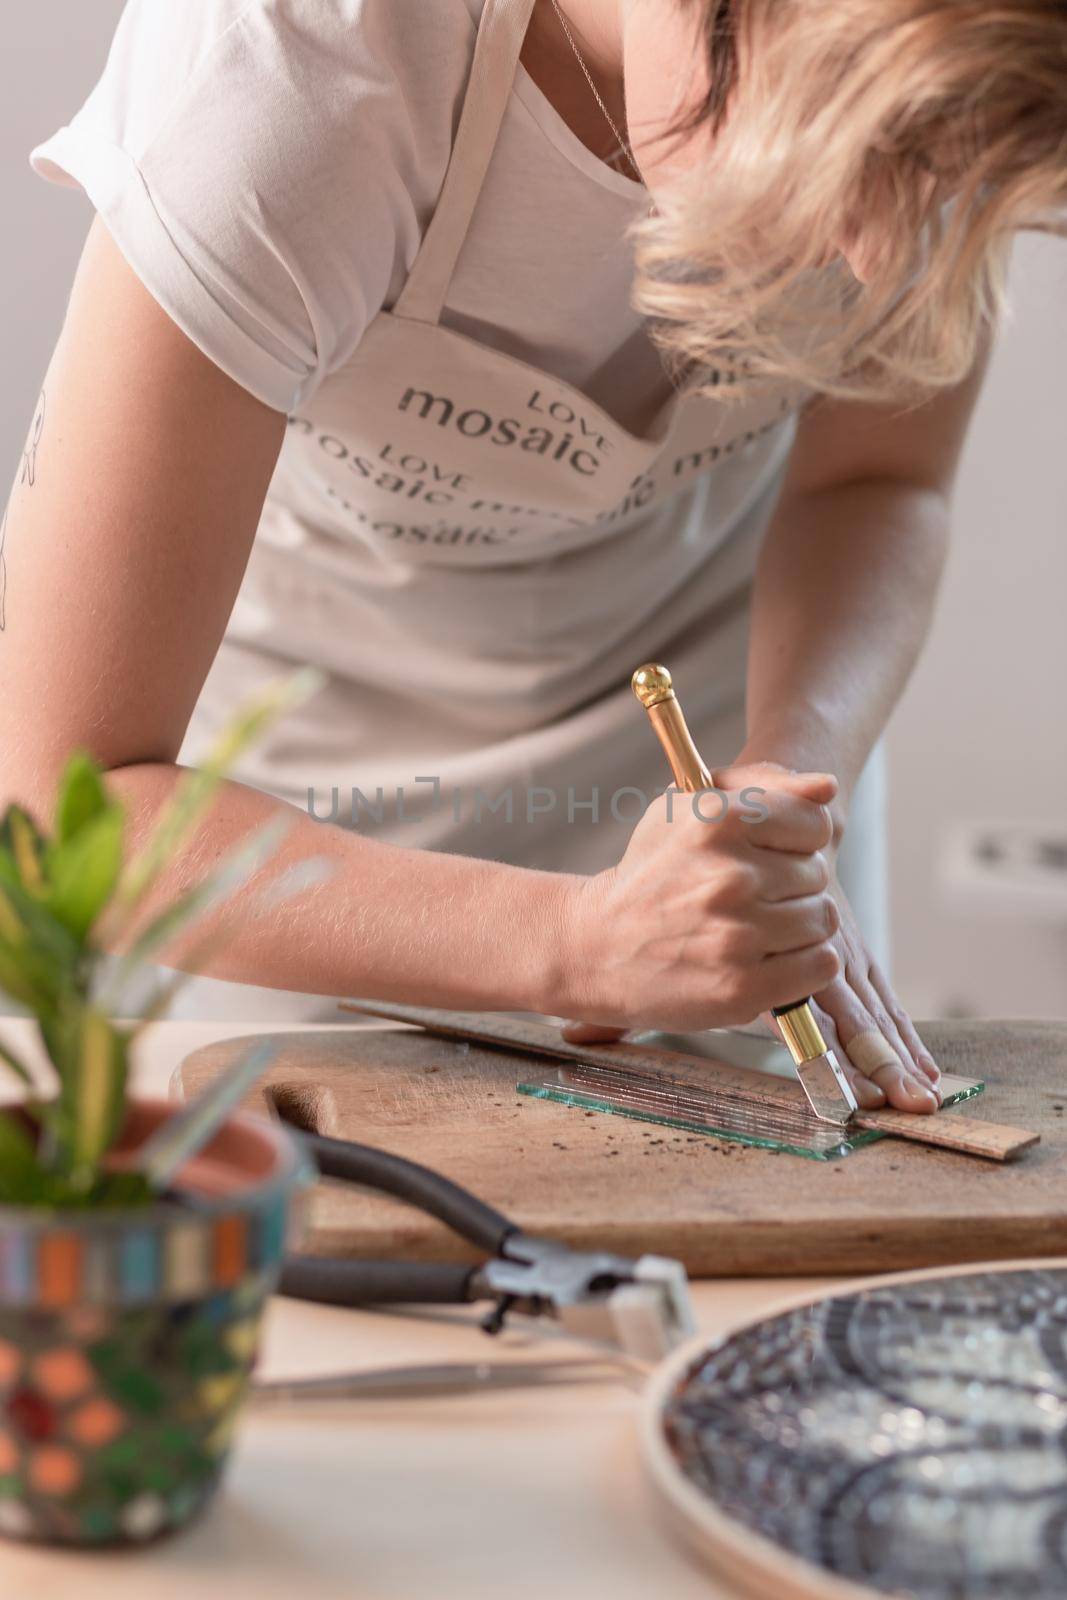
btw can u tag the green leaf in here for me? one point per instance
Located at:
(157, 1007)
(185, 807)
(21, 836)
(19, 1172)
(124, 1189)
(12, 927)
(233, 872)
(99, 1089)
(296, 880)
(9, 872)
(59, 1192)
(43, 958)
(84, 870)
(82, 796)
(202, 953)
(24, 976)
(259, 713)
(17, 1067)
(90, 1055)
(191, 797)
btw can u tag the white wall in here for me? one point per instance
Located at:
(982, 731)
(52, 53)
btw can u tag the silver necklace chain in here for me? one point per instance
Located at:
(623, 143)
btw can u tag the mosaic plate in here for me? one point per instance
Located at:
(907, 1438)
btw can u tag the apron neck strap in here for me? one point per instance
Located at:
(496, 57)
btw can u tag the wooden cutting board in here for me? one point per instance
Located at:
(722, 1208)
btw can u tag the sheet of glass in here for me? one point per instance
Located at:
(909, 1438)
(696, 1108)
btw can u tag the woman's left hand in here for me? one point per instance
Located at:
(861, 1019)
(867, 1028)
(859, 1014)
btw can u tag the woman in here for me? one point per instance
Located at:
(351, 375)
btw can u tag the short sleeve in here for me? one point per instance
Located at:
(268, 168)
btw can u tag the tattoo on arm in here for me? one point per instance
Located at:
(29, 455)
(27, 477)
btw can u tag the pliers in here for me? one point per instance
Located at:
(639, 1306)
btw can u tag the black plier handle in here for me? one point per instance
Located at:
(347, 1282)
(642, 1305)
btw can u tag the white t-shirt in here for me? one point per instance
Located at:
(268, 168)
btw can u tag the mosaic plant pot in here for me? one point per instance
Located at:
(127, 1339)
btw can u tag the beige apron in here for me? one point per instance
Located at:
(477, 556)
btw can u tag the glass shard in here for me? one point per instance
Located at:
(700, 1107)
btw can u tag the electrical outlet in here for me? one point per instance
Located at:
(1007, 868)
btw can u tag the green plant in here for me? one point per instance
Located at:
(57, 891)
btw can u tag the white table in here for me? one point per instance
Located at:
(516, 1495)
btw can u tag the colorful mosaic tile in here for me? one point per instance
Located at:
(126, 1346)
(122, 1436)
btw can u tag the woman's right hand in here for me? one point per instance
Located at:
(706, 924)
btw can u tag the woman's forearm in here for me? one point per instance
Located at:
(389, 922)
(844, 596)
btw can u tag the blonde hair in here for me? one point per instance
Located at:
(940, 124)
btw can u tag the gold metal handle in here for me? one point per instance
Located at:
(801, 1032)
(653, 687)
